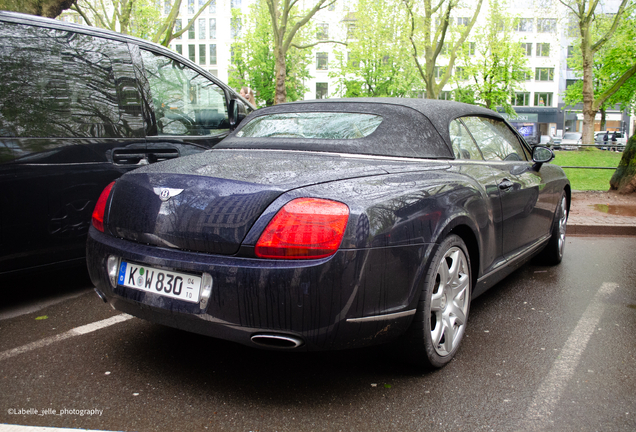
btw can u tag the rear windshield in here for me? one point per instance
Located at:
(319, 125)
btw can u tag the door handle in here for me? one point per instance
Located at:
(505, 185)
(129, 156)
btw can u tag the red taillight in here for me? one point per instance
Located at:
(100, 208)
(304, 228)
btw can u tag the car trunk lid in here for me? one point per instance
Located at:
(208, 202)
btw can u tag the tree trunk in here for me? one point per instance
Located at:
(589, 111)
(280, 76)
(624, 178)
(603, 119)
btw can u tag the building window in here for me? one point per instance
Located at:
(544, 74)
(522, 99)
(351, 31)
(546, 25)
(471, 48)
(212, 54)
(322, 31)
(570, 57)
(235, 27)
(201, 28)
(543, 50)
(439, 71)
(177, 27)
(332, 7)
(322, 61)
(543, 99)
(524, 25)
(190, 6)
(445, 95)
(322, 89)
(236, 4)
(167, 7)
(191, 52)
(202, 54)
(191, 34)
(460, 74)
(179, 49)
(212, 28)
(527, 47)
(570, 82)
(463, 21)
(353, 61)
(212, 7)
(523, 75)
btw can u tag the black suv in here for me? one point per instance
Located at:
(80, 106)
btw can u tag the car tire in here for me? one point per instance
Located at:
(552, 254)
(442, 312)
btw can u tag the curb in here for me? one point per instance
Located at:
(601, 230)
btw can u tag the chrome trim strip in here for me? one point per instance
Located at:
(518, 256)
(382, 317)
(345, 155)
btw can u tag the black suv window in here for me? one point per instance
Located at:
(59, 84)
(185, 102)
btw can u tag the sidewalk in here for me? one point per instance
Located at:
(602, 213)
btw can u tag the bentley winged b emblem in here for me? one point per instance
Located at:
(166, 193)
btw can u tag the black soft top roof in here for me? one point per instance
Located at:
(410, 127)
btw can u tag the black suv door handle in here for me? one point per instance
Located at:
(125, 156)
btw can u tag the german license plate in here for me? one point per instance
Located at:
(176, 285)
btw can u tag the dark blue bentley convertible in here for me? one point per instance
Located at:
(332, 224)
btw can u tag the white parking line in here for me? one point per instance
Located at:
(18, 428)
(77, 331)
(547, 396)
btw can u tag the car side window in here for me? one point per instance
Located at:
(495, 140)
(464, 146)
(185, 102)
(61, 84)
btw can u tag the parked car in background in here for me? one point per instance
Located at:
(546, 140)
(332, 224)
(80, 106)
(610, 140)
(571, 141)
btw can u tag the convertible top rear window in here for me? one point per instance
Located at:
(319, 125)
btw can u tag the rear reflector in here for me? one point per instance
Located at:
(305, 228)
(100, 208)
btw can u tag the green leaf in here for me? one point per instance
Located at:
(40, 318)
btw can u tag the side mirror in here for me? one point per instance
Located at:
(237, 112)
(541, 155)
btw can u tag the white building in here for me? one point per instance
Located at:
(543, 28)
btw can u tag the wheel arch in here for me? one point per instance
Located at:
(465, 228)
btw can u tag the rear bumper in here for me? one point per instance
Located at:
(352, 299)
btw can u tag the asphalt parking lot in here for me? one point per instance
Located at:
(547, 349)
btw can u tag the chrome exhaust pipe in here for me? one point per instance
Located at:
(277, 341)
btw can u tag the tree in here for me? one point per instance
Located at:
(612, 60)
(137, 17)
(286, 21)
(45, 8)
(624, 178)
(254, 63)
(492, 79)
(431, 33)
(587, 15)
(377, 63)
